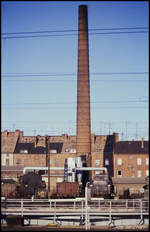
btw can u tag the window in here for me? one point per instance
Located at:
(119, 173)
(53, 151)
(106, 162)
(130, 157)
(72, 150)
(141, 190)
(97, 162)
(25, 162)
(131, 190)
(139, 161)
(119, 161)
(139, 173)
(18, 162)
(147, 161)
(147, 172)
(7, 162)
(59, 179)
(97, 172)
(24, 151)
(56, 162)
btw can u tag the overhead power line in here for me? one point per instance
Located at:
(71, 108)
(55, 35)
(49, 103)
(74, 30)
(108, 76)
(68, 74)
(114, 80)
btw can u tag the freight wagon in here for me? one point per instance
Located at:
(68, 190)
(8, 188)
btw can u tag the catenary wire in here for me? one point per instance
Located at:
(59, 31)
(69, 74)
(54, 35)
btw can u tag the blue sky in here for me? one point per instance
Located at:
(39, 104)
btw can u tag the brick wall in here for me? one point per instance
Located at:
(129, 166)
(30, 159)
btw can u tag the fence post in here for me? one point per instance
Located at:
(110, 212)
(111, 221)
(55, 212)
(99, 203)
(126, 204)
(74, 205)
(141, 209)
(86, 207)
(21, 207)
(49, 204)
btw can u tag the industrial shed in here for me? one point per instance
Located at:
(134, 186)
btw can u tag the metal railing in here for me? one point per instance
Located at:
(81, 207)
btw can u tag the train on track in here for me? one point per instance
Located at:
(28, 185)
(31, 184)
(76, 177)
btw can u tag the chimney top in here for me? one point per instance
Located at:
(142, 143)
(83, 6)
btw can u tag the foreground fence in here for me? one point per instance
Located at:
(84, 210)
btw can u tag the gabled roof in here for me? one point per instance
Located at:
(8, 143)
(30, 148)
(56, 146)
(131, 147)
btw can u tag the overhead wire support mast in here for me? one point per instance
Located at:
(48, 166)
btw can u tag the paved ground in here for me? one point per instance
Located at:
(75, 228)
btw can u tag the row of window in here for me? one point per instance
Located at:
(119, 161)
(139, 161)
(139, 173)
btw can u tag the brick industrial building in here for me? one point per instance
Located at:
(126, 161)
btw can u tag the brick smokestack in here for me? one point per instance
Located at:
(83, 88)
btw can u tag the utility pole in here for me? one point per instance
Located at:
(48, 172)
(136, 134)
(48, 165)
(126, 125)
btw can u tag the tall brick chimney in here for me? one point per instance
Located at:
(83, 88)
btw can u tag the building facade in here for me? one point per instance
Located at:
(131, 159)
(123, 159)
